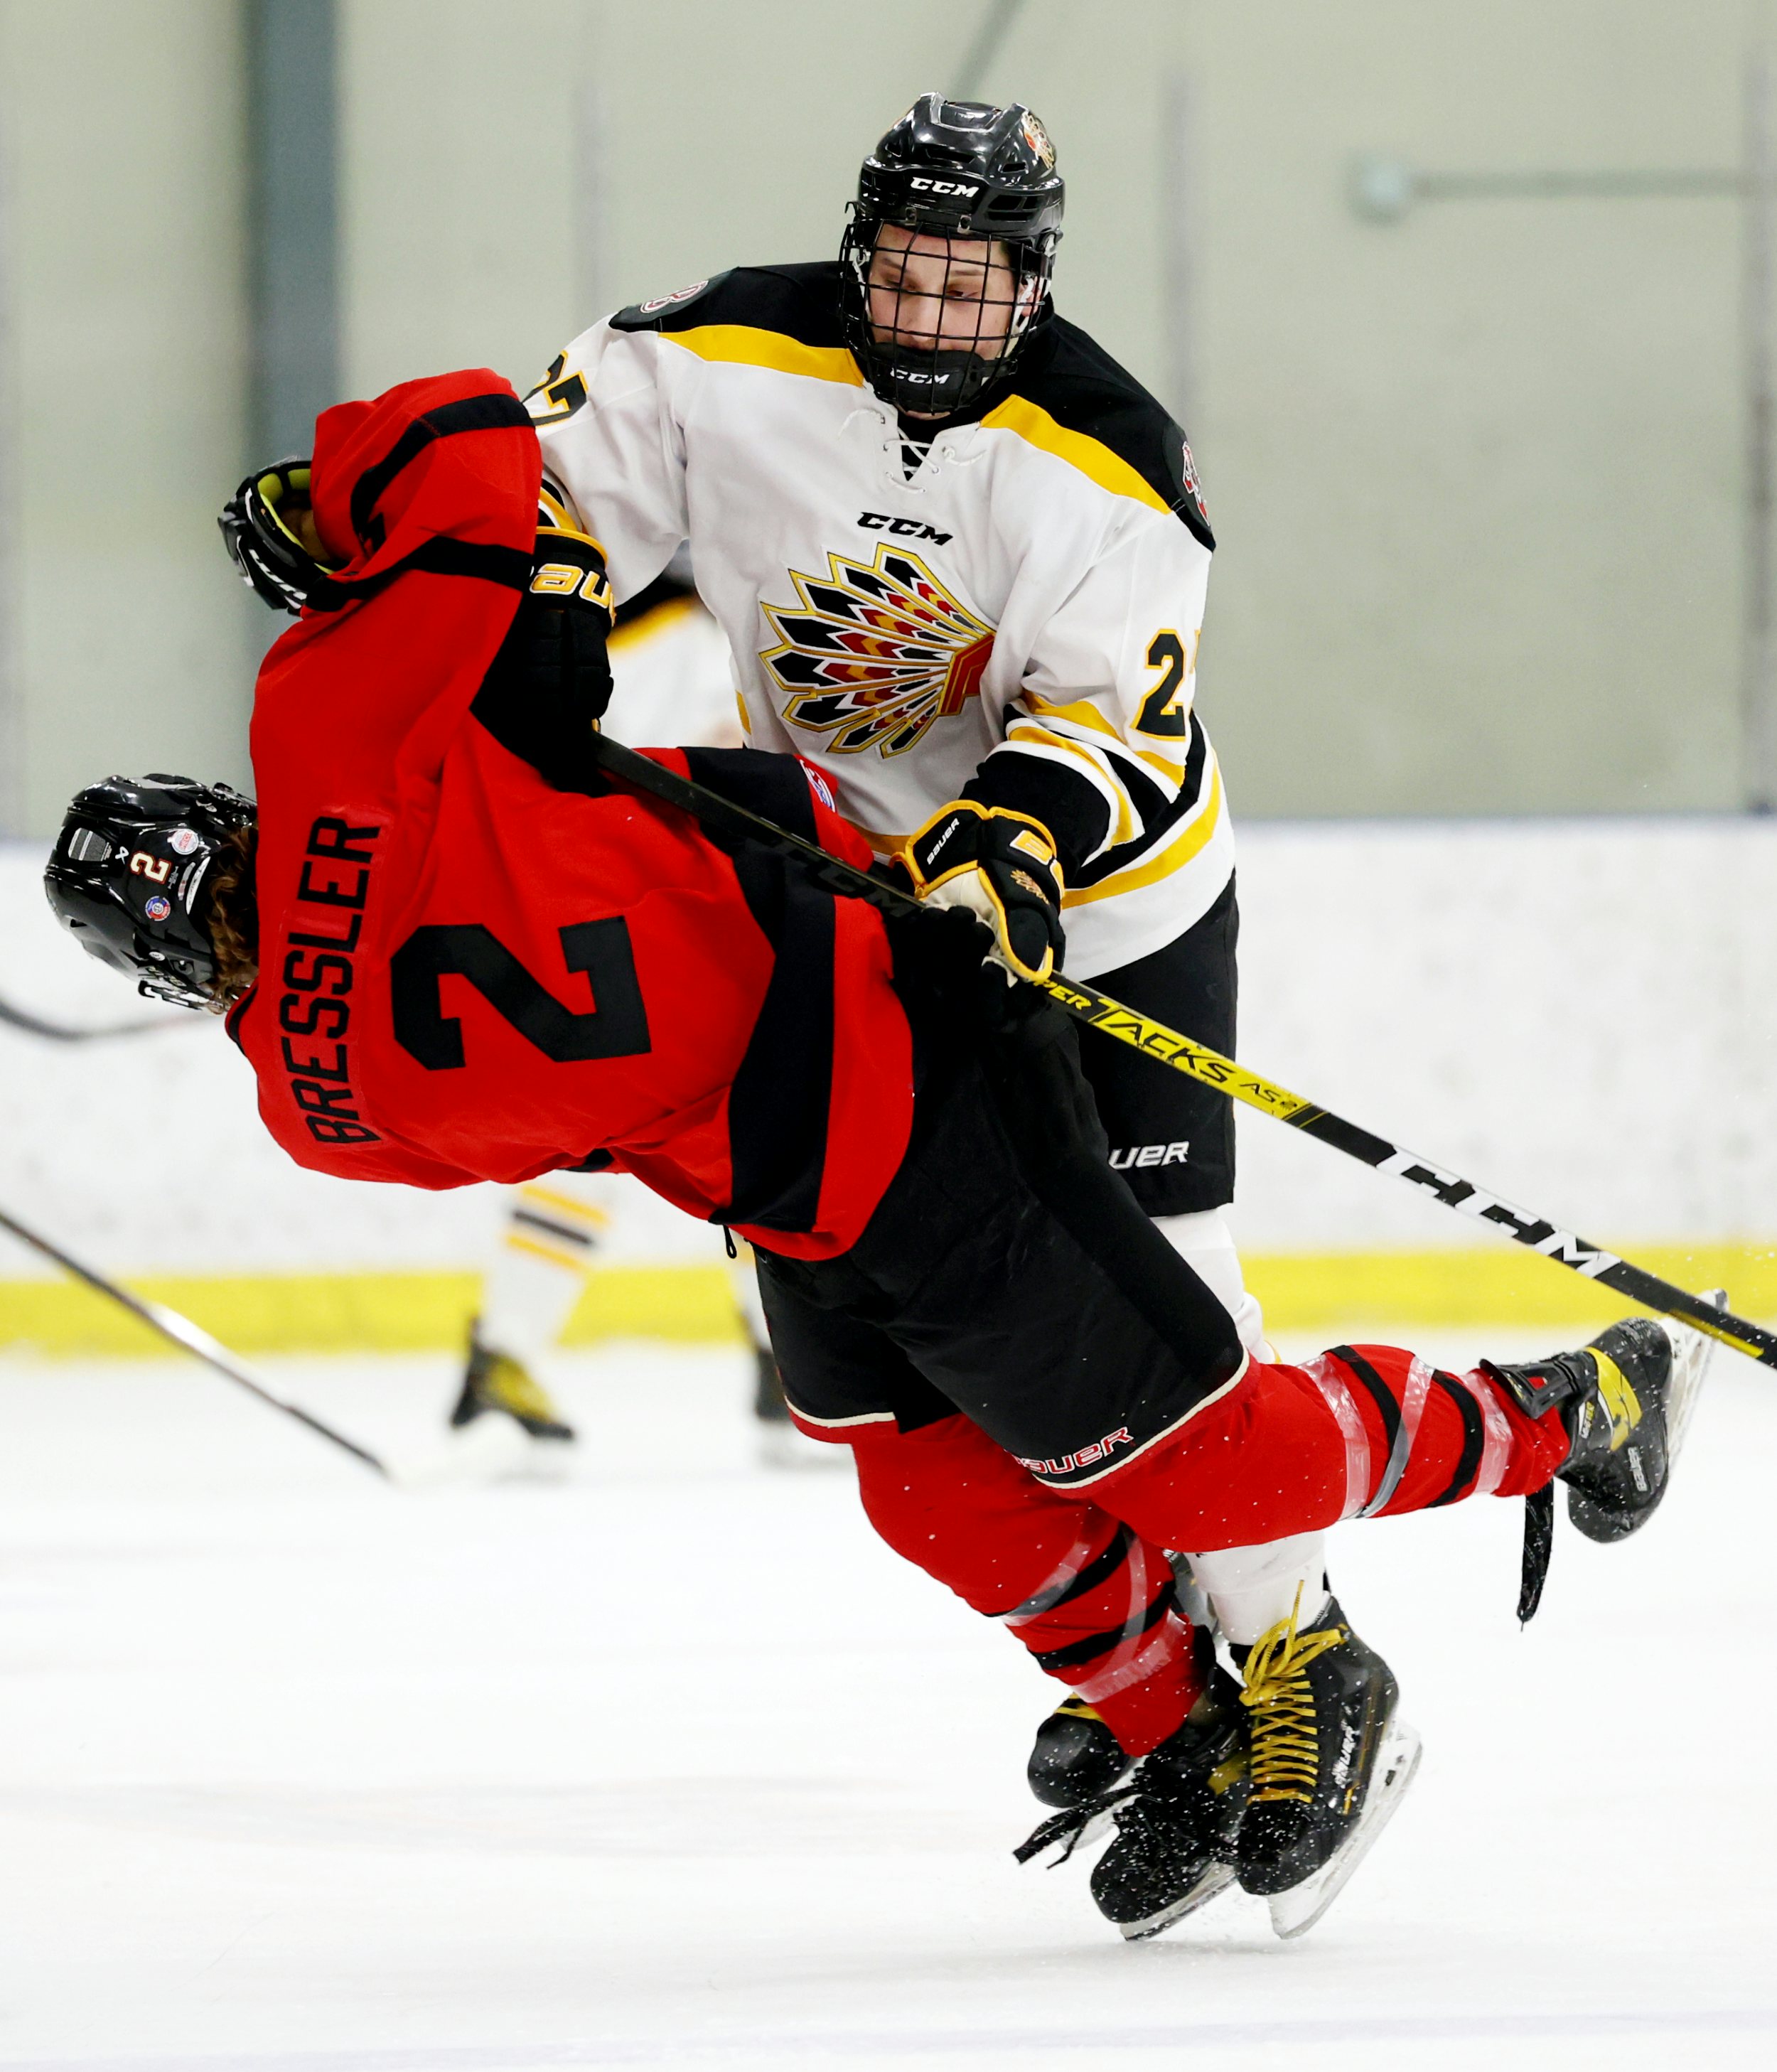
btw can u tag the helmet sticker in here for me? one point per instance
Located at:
(182, 841)
(1038, 138)
(158, 908)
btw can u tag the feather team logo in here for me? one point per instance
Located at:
(873, 652)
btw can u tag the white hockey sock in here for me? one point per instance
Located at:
(540, 1267)
(1251, 1589)
(1203, 1240)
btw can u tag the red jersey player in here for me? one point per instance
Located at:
(454, 952)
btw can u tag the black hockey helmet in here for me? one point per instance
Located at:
(965, 173)
(128, 871)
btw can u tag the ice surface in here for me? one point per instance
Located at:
(672, 1765)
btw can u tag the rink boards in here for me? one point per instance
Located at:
(1577, 1013)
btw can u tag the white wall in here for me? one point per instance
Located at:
(1578, 1015)
(123, 277)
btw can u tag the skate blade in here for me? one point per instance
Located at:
(1216, 1879)
(1294, 1912)
(1691, 1353)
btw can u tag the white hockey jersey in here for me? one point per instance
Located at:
(1017, 620)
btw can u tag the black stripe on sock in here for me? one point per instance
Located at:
(1095, 1644)
(1100, 1569)
(1386, 1408)
(1474, 1438)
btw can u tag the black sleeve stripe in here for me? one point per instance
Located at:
(1474, 1438)
(1064, 798)
(471, 413)
(482, 561)
(1095, 1644)
(510, 567)
(779, 1103)
(438, 556)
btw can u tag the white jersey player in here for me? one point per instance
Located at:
(960, 558)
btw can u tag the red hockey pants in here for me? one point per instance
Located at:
(1082, 1579)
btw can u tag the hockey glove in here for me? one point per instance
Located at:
(1001, 866)
(553, 660)
(259, 528)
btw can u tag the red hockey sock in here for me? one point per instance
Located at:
(1362, 1430)
(1090, 1599)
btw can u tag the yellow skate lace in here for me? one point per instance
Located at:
(1286, 1760)
(510, 1386)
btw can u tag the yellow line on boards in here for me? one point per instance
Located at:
(342, 1313)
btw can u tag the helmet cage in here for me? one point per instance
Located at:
(938, 348)
(127, 872)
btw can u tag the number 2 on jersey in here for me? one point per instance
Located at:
(1163, 709)
(616, 1026)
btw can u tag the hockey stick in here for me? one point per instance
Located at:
(187, 1336)
(1197, 1061)
(60, 1032)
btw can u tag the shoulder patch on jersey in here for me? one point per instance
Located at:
(797, 302)
(1075, 384)
(659, 311)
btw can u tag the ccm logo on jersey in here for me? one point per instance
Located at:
(1151, 1154)
(903, 528)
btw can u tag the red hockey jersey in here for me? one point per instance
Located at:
(479, 960)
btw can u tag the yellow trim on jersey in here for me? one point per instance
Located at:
(1094, 459)
(638, 632)
(743, 345)
(1082, 714)
(1173, 772)
(1171, 859)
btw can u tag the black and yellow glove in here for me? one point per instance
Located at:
(1001, 866)
(553, 661)
(263, 527)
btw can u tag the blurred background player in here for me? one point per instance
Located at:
(673, 682)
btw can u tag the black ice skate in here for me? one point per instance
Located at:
(1177, 1816)
(494, 1381)
(1075, 1758)
(1625, 1400)
(1330, 1763)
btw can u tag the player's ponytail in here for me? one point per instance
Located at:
(233, 918)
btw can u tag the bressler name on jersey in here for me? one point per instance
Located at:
(1016, 617)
